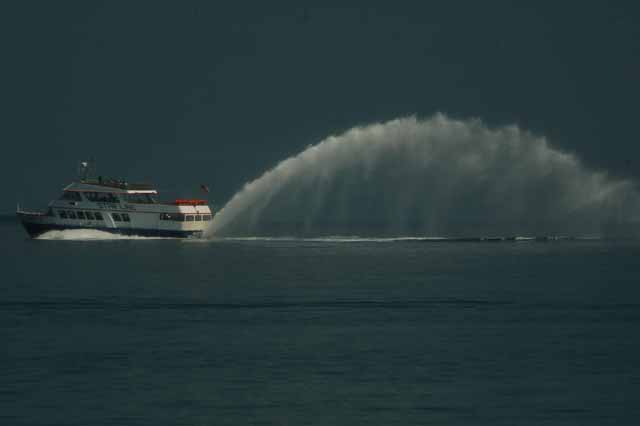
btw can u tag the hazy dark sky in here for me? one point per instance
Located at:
(183, 93)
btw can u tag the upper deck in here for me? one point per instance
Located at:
(111, 185)
(121, 194)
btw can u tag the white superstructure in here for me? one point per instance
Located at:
(119, 207)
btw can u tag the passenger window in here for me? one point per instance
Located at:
(80, 215)
(139, 198)
(116, 217)
(71, 196)
(189, 218)
(63, 214)
(206, 217)
(125, 217)
(89, 215)
(101, 197)
(176, 217)
(198, 218)
(98, 216)
(71, 214)
(91, 196)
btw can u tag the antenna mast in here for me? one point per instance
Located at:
(86, 169)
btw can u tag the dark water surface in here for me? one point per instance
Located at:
(167, 332)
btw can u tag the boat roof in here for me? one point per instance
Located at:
(111, 185)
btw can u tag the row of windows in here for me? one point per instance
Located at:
(96, 197)
(124, 217)
(71, 196)
(181, 217)
(107, 197)
(139, 199)
(77, 214)
(198, 217)
(70, 214)
(100, 197)
(120, 217)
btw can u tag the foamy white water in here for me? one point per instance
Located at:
(355, 239)
(89, 235)
(433, 177)
(334, 239)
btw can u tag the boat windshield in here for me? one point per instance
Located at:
(140, 199)
(101, 197)
(71, 196)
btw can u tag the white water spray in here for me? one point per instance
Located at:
(88, 235)
(438, 177)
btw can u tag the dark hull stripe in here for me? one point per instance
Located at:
(36, 229)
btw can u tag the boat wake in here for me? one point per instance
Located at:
(416, 239)
(90, 235)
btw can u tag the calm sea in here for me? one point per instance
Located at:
(304, 332)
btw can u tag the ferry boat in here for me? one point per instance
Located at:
(118, 207)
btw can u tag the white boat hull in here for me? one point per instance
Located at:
(38, 224)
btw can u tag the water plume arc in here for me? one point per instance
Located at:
(436, 177)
